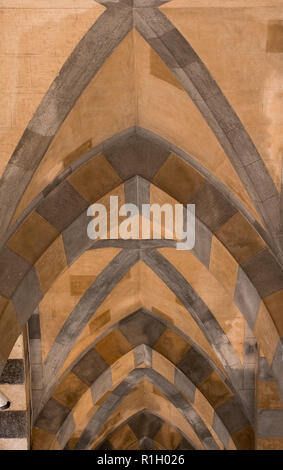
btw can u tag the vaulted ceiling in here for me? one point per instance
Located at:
(134, 344)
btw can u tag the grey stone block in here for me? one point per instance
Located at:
(87, 436)
(102, 384)
(261, 179)
(146, 443)
(270, 423)
(220, 430)
(249, 377)
(143, 355)
(145, 423)
(203, 237)
(243, 146)
(35, 351)
(221, 109)
(13, 372)
(141, 328)
(125, 387)
(264, 371)
(248, 399)
(27, 296)
(200, 429)
(264, 272)
(195, 367)
(13, 268)
(250, 351)
(185, 445)
(136, 155)
(180, 53)
(90, 367)
(36, 376)
(62, 206)
(212, 208)
(137, 191)
(52, 416)
(75, 238)
(113, 400)
(206, 86)
(277, 367)
(34, 326)
(13, 424)
(184, 385)
(246, 298)
(66, 430)
(232, 416)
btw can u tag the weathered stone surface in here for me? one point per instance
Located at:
(141, 328)
(13, 424)
(246, 298)
(90, 367)
(52, 416)
(62, 206)
(14, 372)
(27, 296)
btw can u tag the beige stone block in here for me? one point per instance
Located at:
(172, 345)
(164, 367)
(51, 264)
(18, 348)
(32, 237)
(178, 179)
(168, 437)
(266, 333)
(121, 368)
(41, 440)
(271, 443)
(245, 439)
(95, 179)
(10, 330)
(70, 390)
(268, 396)
(203, 407)
(14, 444)
(80, 284)
(17, 396)
(83, 411)
(113, 346)
(240, 238)
(99, 321)
(274, 304)
(223, 266)
(215, 390)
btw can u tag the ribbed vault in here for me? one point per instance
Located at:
(134, 344)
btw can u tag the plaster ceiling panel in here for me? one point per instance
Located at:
(166, 109)
(44, 35)
(106, 107)
(243, 51)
